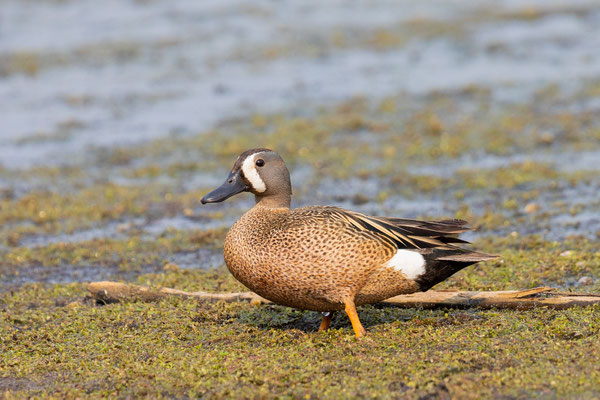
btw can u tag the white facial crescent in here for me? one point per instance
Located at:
(250, 172)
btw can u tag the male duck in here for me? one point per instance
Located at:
(327, 258)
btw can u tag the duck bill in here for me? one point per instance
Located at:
(233, 185)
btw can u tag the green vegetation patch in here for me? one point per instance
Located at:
(56, 342)
(530, 261)
(53, 212)
(133, 254)
(368, 138)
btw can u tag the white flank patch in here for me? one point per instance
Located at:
(252, 175)
(410, 263)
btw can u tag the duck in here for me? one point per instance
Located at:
(326, 258)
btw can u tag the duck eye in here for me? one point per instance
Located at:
(260, 162)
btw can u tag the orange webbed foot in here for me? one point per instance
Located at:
(353, 315)
(327, 317)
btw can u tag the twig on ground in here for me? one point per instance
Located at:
(111, 292)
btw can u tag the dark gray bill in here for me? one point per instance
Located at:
(232, 186)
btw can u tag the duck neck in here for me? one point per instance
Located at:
(281, 200)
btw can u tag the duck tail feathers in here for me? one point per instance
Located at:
(469, 257)
(440, 265)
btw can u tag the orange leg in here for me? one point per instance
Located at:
(326, 321)
(353, 315)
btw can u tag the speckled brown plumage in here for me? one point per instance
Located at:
(307, 257)
(326, 258)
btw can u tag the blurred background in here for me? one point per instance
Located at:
(117, 116)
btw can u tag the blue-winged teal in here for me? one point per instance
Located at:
(327, 258)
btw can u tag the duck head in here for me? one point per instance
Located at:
(261, 172)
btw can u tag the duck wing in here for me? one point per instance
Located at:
(408, 233)
(434, 240)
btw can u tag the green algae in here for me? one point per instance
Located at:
(507, 177)
(530, 261)
(357, 138)
(85, 259)
(52, 212)
(110, 251)
(391, 37)
(58, 343)
(380, 138)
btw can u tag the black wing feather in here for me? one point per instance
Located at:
(408, 233)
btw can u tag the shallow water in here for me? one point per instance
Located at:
(80, 80)
(125, 72)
